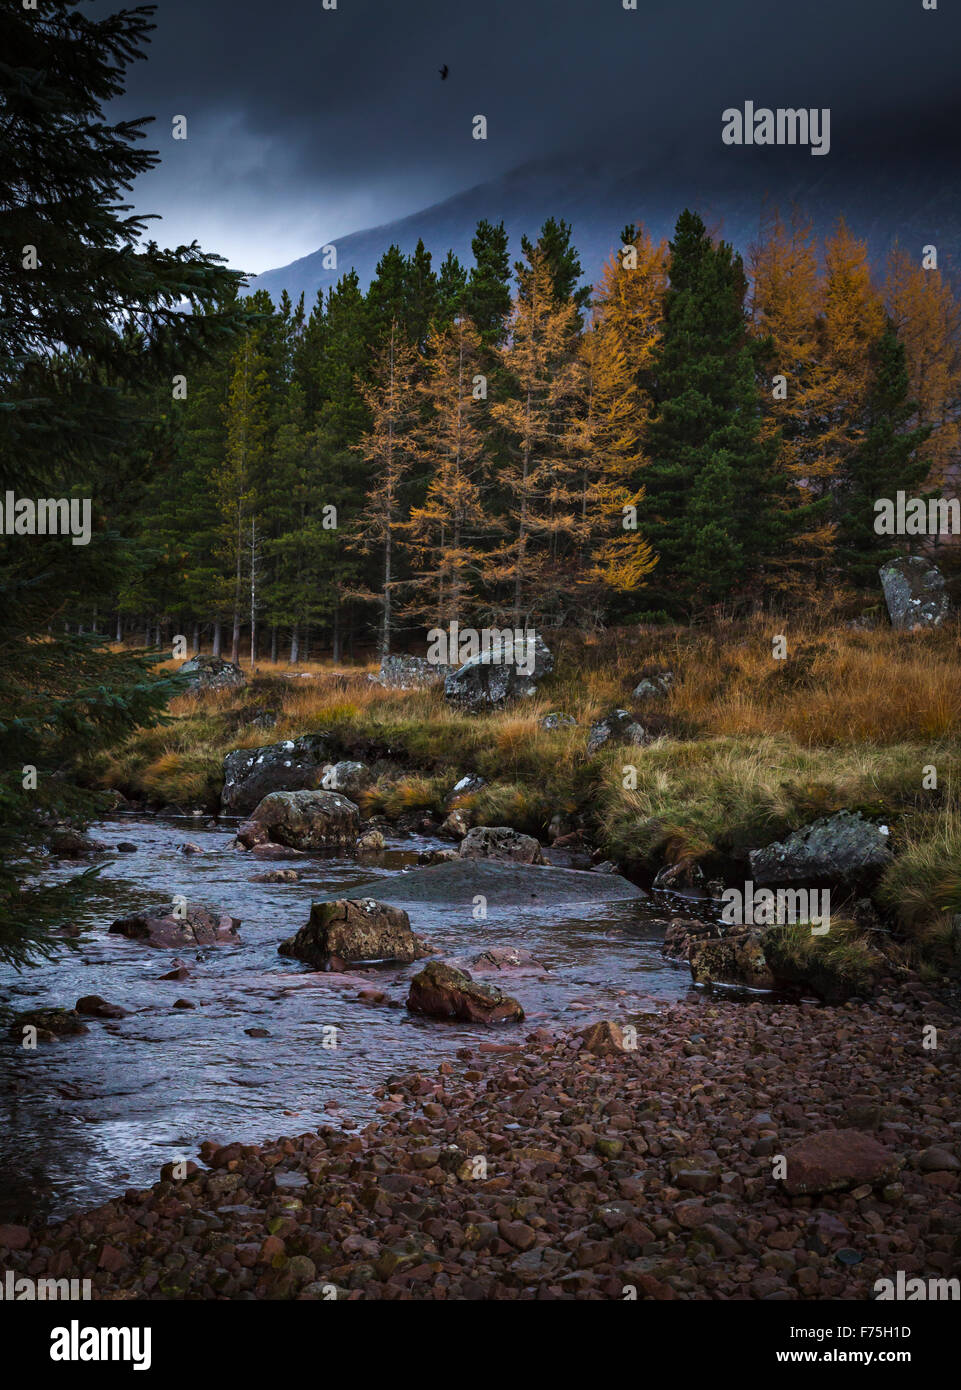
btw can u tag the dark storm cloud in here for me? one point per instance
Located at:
(306, 123)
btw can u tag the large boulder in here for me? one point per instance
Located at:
(737, 959)
(914, 592)
(500, 842)
(836, 1159)
(619, 726)
(212, 673)
(197, 927)
(681, 933)
(349, 931)
(494, 676)
(250, 774)
(443, 991)
(302, 820)
(843, 849)
(409, 673)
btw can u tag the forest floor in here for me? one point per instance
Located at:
(545, 1168)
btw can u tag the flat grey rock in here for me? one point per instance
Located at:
(503, 885)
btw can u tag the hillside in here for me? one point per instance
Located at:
(883, 202)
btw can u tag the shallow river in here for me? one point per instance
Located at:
(82, 1118)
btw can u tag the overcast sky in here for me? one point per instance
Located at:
(305, 124)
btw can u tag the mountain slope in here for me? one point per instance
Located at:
(902, 200)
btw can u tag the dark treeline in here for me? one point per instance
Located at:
(500, 443)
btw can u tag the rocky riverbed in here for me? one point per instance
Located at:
(239, 1042)
(579, 1164)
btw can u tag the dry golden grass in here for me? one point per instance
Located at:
(834, 686)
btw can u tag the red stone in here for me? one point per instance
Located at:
(836, 1159)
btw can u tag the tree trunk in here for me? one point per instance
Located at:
(253, 592)
(521, 555)
(294, 645)
(218, 637)
(385, 624)
(336, 644)
(196, 639)
(119, 636)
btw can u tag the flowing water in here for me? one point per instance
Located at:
(82, 1118)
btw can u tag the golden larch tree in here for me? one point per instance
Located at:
(444, 534)
(617, 352)
(388, 450)
(928, 321)
(544, 522)
(787, 312)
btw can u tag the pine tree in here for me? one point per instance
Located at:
(853, 320)
(240, 478)
(444, 533)
(303, 548)
(544, 519)
(341, 369)
(86, 337)
(201, 453)
(385, 305)
(451, 291)
(618, 351)
(557, 250)
(707, 417)
(888, 458)
(421, 301)
(487, 301)
(788, 317)
(387, 453)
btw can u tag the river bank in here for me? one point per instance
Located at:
(576, 1175)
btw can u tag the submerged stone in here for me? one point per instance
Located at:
(502, 885)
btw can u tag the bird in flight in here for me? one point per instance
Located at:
(443, 72)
